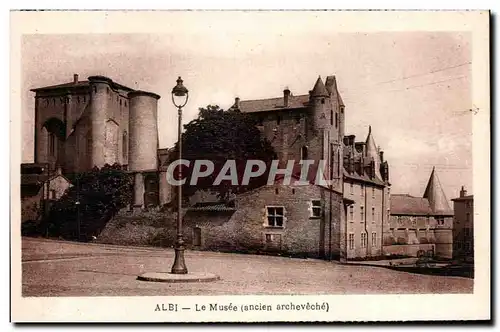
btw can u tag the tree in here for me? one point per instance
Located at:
(89, 204)
(218, 136)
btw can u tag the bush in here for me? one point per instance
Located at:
(84, 210)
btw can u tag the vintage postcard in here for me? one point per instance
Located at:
(250, 166)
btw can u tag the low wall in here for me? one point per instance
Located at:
(407, 249)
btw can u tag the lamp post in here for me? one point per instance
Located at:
(180, 97)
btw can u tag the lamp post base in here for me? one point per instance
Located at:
(169, 277)
(179, 266)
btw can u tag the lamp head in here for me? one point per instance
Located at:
(179, 90)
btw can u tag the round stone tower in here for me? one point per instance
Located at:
(143, 144)
(143, 127)
(322, 109)
(99, 92)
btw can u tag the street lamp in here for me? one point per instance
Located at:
(180, 97)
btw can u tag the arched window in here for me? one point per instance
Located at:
(125, 146)
(303, 153)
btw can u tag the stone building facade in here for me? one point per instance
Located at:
(311, 127)
(463, 226)
(420, 223)
(366, 182)
(294, 220)
(82, 124)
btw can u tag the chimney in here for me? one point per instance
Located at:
(352, 138)
(75, 78)
(237, 102)
(381, 153)
(286, 96)
(463, 192)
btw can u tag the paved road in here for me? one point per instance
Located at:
(56, 268)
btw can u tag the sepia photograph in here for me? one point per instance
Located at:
(271, 166)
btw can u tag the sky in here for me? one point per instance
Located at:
(413, 88)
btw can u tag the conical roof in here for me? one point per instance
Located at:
(372, 152)
(435, 194)
(331, 86)
(319, 89)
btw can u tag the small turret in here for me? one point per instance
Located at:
(319, 89)
(321, 106)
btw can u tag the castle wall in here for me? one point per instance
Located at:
(246, 229)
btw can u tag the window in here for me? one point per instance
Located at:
(373, 214)
(351, 241)
(388, 191)
(52, 194)
(440, 221)
(52, 144)
(363, 240)
(362, 190)
(315, 208)
(467, 232)
(336, 120)
(322, 100)
(278, 120)
(275, 216)
(400, 220)
(276, 191)
(413, 221)
(362, 209)
(124, 146)
(467, 217)
(331, 117)
(351, 212)
(351, 188)
(373, 192)
(388, 215)
(297, 119)
(374, 239)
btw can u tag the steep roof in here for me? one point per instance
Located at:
(435, 194)
(273, 104)
(403, 204)
(372, 152)
(63, 86)
(331, 86)
(319, 89)
(362, 178)
(82, 84)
